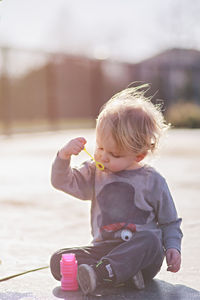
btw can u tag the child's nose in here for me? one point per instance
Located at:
(104, 157)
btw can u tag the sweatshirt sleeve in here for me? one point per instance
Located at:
(78, 182)
(168, 220)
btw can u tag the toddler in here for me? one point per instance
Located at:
(133, 217)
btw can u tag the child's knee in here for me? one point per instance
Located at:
(149, 235)
(151, 239)
(154, 243)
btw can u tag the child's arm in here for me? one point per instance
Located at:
(78, 182)
(172, 236)
(170, 226)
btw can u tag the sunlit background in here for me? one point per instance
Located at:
(61, 60)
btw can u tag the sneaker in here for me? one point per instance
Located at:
(138, 281)
(87, 279)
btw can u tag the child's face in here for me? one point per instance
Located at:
(111, 157)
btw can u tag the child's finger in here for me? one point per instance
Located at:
(173, 268)
(82, 140)
(169, 268)
(77, 149)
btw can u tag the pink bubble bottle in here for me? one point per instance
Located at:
(68, 269)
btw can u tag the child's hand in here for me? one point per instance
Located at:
(74, 147)
(173, 258)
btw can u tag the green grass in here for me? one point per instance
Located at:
(184, 115)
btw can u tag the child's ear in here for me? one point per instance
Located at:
(140, 156)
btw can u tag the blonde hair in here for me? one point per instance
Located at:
(136, 124)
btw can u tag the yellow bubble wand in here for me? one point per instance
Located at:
(99, 165)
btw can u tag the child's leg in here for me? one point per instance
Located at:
(143, 252)
(85, 255)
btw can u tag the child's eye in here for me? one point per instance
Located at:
(115, 156)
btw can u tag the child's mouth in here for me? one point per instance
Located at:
(106, 169)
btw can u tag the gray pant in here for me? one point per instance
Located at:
(143, 252)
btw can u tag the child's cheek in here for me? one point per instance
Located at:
(96, 155)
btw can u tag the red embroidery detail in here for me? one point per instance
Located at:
(131, 227)
(117, 226)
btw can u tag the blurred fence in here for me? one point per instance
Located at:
(44, 90)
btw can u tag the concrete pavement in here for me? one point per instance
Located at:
(36, 220)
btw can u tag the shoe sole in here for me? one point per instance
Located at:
(86, 279)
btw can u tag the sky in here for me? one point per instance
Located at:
(126, 30)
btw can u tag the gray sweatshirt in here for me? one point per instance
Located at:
(131, 199)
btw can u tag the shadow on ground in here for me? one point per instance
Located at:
(156, 290)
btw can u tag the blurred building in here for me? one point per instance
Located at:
(175, 74)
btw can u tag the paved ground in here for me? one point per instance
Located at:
(36, 220)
